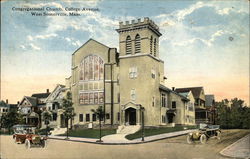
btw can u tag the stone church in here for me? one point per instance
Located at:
(128, 83)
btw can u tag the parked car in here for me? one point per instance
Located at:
(204, 133)
(26, 134)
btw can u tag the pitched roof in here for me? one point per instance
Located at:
(32, 100)
(209, 100)
(40, 95)
(195, 90)
(170, 90)
(3, 104)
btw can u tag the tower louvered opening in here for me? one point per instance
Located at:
(128, 45)
(137, 44)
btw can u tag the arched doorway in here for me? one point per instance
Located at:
(130, 116)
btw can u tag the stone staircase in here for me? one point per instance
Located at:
(130, 129)
(58, 131)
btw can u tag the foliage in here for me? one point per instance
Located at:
(67, 107)
(10, 119)
(233, 114)
(44, 131)
(46, 116)
(99, 112)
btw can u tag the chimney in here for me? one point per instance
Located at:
(7, 101)
(173, 88)
(18, 102)
(47, 90)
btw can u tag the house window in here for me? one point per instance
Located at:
(53, 106)
(128, 45)
(80, 117)
(93, 117)
(137, 44)
(153, 73)
(107, 116)
(163, 100)
(87, 117)
(133, 94)
(174, 105)
(118, 116)
(132, 72)
(118, 97)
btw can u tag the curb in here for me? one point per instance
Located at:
(236, 142)
(122, 143)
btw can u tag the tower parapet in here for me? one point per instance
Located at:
(138, 24)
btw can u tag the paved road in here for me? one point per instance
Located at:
(173, 148)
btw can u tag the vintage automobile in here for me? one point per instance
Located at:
(204, 133)
(26, 134)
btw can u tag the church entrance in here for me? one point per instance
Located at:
(130, 116)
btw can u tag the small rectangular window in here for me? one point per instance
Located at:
(87, 117)
(80, 117)
(153, 73)
(133, 94)
(93, 117)
(118, 116)
(174, 105)
(153, 101)
(107, 116)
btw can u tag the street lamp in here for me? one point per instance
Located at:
(142, 123)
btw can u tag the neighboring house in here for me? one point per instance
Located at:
(32, 107)
(211, 108)
(124, 83)
(54, 104)
(201, 114)
(4, 108)
(189, 108)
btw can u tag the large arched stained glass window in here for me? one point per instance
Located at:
(91, 80)
(91, 68)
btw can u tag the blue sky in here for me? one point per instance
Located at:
(203, 43)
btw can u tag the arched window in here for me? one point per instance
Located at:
(137, 44)
(91, 68)
(91, 74)
(151, 45)
(155, 47)
(128, 45)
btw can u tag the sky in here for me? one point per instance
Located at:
(203, 43)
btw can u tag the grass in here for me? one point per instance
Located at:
(89, 133)
(157, 131)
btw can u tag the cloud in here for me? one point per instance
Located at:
(29, 37)
(23, 47)
(34, 47)
(77, 43)
(46, 36)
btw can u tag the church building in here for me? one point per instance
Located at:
(129, 84)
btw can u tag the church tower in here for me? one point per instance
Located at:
(139, 37)
(140, 72)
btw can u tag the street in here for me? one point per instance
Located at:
(172, 148)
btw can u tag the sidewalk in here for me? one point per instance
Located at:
(239, 149)
(119, 139)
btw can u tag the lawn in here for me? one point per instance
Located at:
(90, 133)
(156, 131)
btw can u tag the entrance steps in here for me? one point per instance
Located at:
(128, 129)
(58, 131)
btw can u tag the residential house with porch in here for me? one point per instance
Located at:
(32, 107)
(201, 113)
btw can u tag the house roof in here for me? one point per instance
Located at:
(195, 90)
(40, 95)
(3, 104)
(209, 100)
(162, 87)
(32, 100)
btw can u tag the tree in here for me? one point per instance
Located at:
(68, 110)
(46, 118)
(99, 114)
(10, 119)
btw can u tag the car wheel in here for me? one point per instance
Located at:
(218, 135)
(189, 139)
(27, 144)
(44, 143)
(203, 139)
